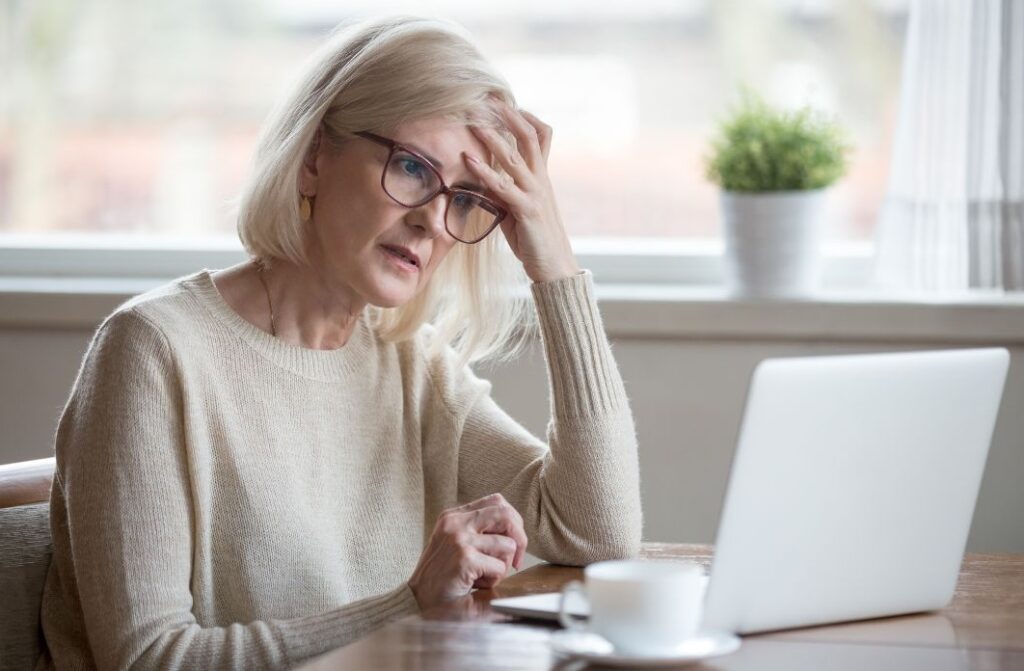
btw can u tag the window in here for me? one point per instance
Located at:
(140, 117)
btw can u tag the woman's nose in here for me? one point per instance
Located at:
(430, 215)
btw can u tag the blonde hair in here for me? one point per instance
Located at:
(374, 75)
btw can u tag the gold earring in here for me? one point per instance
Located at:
(305, 209)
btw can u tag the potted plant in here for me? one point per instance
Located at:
(774, 167)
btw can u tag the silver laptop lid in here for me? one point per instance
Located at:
(853, 487)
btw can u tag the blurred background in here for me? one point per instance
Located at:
(141, 117)
(127, 128)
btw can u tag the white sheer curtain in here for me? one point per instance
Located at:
(953, 219)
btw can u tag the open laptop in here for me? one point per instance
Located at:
(851, 492)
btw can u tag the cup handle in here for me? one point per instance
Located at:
(568, 620)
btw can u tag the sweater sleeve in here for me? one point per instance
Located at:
(123, 522)
(579, 495)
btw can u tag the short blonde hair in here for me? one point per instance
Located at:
(375, 75)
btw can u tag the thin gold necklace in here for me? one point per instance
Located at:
(260, 269)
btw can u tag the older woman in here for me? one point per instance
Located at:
(260, 464)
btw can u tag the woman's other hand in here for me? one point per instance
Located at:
(473, 545)
(534, 227)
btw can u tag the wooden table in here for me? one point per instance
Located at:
(983, 628)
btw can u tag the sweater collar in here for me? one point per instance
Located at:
(313, 363)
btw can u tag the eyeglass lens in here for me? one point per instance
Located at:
(410, 182)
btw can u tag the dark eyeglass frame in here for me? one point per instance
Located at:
(499, 212)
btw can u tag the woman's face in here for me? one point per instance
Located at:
(355, 223)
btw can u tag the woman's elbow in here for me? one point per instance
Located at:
(611, 543)
(622, 546)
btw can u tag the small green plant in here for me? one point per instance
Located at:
(761, 148)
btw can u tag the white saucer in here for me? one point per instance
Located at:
(597, 650)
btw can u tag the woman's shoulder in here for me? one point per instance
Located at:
(154, 313)
(171, 296)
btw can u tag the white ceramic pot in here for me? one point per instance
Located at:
(772, 242)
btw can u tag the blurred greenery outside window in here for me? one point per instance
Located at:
(140, 117)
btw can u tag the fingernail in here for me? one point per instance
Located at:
(472, 158)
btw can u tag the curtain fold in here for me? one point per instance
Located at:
(953, 218)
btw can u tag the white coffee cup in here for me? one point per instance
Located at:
(642, 607)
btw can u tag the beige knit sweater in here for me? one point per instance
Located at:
(224, 500)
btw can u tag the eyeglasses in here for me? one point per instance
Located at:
(411, 180)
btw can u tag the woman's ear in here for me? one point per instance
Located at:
(308, 171)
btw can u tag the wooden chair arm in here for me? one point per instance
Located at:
(26, 482)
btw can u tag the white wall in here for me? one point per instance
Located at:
(687, 398)
(687, 392)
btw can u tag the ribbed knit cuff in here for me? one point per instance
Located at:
(308, 637)
(584, 378)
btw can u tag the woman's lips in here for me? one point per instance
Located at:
(399, 260)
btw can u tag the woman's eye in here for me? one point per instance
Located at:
(464, 201)
(412, 167)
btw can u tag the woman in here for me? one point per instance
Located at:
(263, 463)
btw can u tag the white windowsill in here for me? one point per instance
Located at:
(631, 311)
(663, 290)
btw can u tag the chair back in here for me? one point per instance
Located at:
(25, 551)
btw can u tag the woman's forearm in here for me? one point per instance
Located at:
(579, 498)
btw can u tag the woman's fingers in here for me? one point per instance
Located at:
(543, 131)
(476, 504)
(509, 158)
(503, 186)
(526, 133)
(472, 545)
(487, 515)
(501, 519)
(489, 571)
(498, 546)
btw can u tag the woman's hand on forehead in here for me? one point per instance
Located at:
(534, 230)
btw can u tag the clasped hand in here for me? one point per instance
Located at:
(471, 546)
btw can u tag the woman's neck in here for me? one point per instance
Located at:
(309, 311)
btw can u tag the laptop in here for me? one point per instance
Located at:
(851, 492)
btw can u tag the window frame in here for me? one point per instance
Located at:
(618, 261)
(672, 292)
